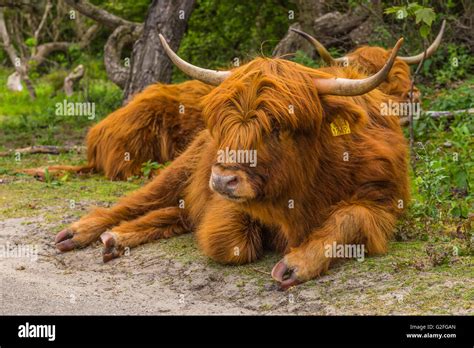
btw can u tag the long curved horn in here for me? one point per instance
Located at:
(212, 77)
(322, 51)
(429, 52)
(349, 87)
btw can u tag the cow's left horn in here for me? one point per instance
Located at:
(322, 51)
(349, 87)
(429, 52)
(212, 77)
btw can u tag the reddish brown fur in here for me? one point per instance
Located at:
(372, 59)
(355, 201)
(150, 127)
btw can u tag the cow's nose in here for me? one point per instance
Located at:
(224, 183)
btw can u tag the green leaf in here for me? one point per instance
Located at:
(31, 42)
(65, 177)
(413, 7)
(460, 178)
(456, 212)
(391, 10)
(402, 13)
(399, 11)
(425, 15)
(47, 176)
(424, 31)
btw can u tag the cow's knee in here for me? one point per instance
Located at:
(232, 244)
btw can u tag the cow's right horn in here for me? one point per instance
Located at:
(212, 77)
(350, 87)
(429, 52)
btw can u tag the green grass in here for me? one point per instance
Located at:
(25, 122)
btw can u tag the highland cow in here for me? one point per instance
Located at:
(157, 124)
(371, 59)
(330, 170)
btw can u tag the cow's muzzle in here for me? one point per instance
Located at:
(230, 183)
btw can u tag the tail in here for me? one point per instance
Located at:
(40, 173)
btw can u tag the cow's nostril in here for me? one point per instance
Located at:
(233, 182)
(224, 183)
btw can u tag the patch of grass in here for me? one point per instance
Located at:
(391, 284)
(442, 185)
(22, 195)
(25, 122)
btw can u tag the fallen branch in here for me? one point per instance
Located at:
(45, 149)
(439, 114)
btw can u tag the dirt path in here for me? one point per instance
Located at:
(79, 283)
(145, 282)
(171, 277)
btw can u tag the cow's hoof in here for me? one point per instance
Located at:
(64, 240)
(284, 275)
(110, 246)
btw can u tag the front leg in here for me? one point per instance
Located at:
(163, 191)
(159, 224)
(355, 223)
(228, 235)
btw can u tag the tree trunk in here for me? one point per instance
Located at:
(333, 29)
(124, 35)
(150, 63)
(20, 66)
(73, 79)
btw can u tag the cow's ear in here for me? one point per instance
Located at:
(348, 110)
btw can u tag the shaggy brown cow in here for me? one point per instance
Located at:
(371, 59)
(157, 124)
(330, 170)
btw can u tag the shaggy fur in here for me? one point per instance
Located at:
(149, 127)
(371, 59)
(305, 195)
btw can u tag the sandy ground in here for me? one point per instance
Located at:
(78, 282)
(151, 281)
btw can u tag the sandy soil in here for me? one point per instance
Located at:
(153, 280)
(78, 282)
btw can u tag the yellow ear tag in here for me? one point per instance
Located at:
(340, 127)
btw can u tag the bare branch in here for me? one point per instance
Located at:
(15, 4)
(43, 20)
(109, 20)
(89, 35)
(72, 79)
(20, 66)
(44, 50)
(116, 71)
(7, 44)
